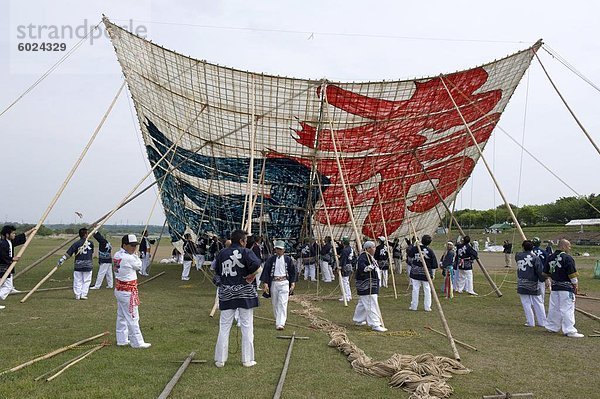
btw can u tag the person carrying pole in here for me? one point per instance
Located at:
(82, 273)
(104, 262)
(418, 274)
(8, 242)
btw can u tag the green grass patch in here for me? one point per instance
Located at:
(174, 318)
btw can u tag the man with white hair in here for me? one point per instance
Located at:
(560, 267)
(279, 279)
(367, 287)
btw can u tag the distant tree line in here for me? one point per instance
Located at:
(560, 211)
(47, 230)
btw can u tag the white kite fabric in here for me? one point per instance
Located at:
(302, 155)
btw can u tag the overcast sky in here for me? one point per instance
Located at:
(44, 133)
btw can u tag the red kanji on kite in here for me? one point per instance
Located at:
(383, 157)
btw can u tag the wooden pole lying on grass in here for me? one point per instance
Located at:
(43, 289)
(151, 278)
(47, 373)
(434, 294)
(457, 341)
(591, 316)
(169, 387)
(587, 297)
(286, 364)
(507, 395)
(75, 361)
(53, 353)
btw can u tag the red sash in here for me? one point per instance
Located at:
(130, 286)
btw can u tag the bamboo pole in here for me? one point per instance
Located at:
(43, 290)
(43, 258)
(169, 387)
(61, 188)
(53, 353)
(286, 364)
(215, 304)
(74, 362)
(590, 315)
(47, 373)
(458, 226)
(587, 297)
(434, 294)
(457, 341)
(479, 150)
(390, 259)
(151, 278)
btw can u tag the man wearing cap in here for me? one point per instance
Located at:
(125, 265)
(279, 279)
(382, 258)
(561, 310)
(447, 264)
(367, 287)
(82, 274)
(308, 254)
(8, 241)
(235, 269)
(347, 261)
(418, 272)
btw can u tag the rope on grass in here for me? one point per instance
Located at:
(424, 376)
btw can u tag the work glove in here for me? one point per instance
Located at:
(62, 260)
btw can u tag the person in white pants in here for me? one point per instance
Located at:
(325, 257)
(235, 269)
(104, 261)
(189, 253)
(367, 310)
(347, 260)
(126, 263)
(279, 279)
(529, 272)
(145, 247)
(8, 241)
(465, 255)
(418, 274)
(82, 273)
(561, 310)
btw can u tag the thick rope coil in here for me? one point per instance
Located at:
(424, 376)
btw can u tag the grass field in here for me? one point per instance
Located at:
(174, 318)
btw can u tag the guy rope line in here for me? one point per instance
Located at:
(476, 145)
(424, 376)
(591, 140)
(51, 69)
(568, 65)
(462, 232)
(434, 294)
(62, 187)
(530, 154)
